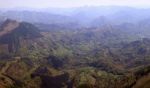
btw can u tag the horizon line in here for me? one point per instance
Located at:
(52, 7)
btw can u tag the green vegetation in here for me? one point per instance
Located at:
(86, 58)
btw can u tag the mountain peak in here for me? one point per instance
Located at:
(13, 32)
(8, 26)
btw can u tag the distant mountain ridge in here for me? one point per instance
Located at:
(81, 15)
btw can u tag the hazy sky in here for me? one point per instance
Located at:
(71, 3)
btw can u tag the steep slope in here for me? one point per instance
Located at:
(8, 26)
(13, 33)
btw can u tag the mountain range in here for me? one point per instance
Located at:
(86, 47)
